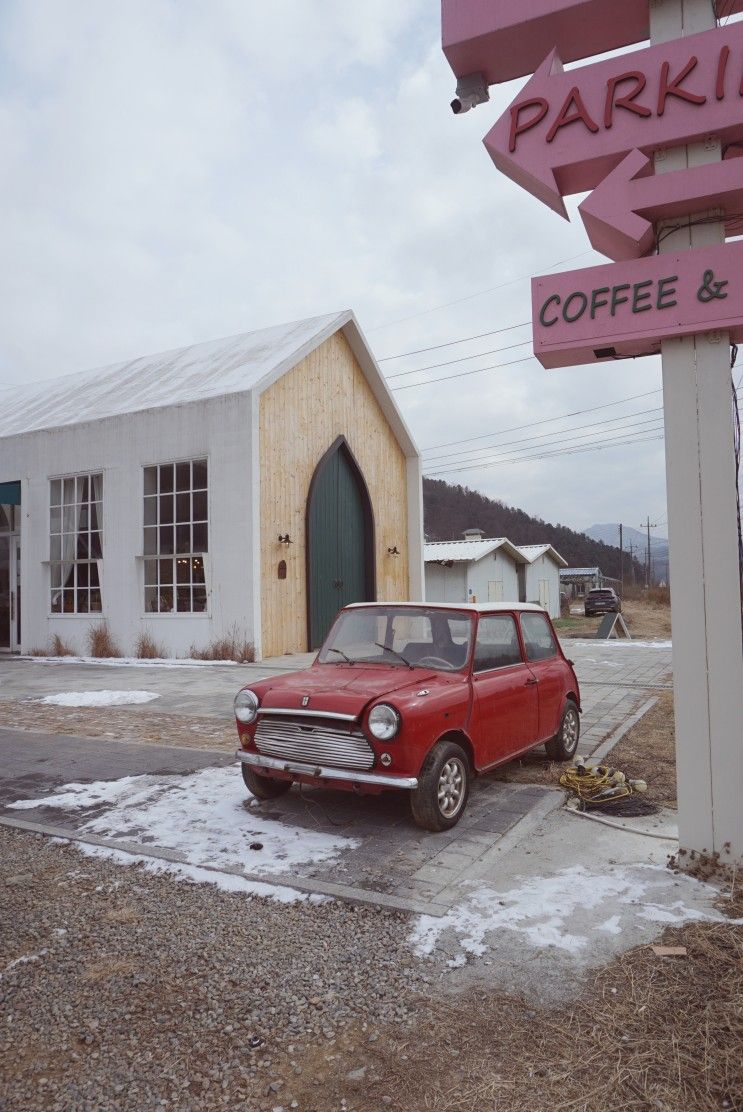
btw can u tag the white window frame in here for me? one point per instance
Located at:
(77, 562)
(147, 584)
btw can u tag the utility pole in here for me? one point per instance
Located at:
(621, 561)
(648, 559)
(631, 547)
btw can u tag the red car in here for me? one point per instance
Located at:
(414, 697)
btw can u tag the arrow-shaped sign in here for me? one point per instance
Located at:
(504, 39)
(620, 213)
(567, 130)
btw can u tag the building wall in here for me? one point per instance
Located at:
(446, 584)
(120, 447)
(544, 569)
(325, 396)
(493, 579)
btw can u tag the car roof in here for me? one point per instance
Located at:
(470, 607)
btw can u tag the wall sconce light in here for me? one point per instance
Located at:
(284, 538)
(393, 551)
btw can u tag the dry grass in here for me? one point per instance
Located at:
(101, 643)
(648, 1033)
(647, 620)
(233, 646)
(104, 970)
(147, 648)
(60, 647)
(648, 752)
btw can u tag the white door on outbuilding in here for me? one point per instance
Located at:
(495, 590)
(544, 593)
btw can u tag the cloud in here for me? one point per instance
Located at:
(179, 171)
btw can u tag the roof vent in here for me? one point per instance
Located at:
(473, 534)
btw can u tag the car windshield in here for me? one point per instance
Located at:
(401, 636)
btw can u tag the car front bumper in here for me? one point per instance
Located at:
(322, 772)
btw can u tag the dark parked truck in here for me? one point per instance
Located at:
(602, 600)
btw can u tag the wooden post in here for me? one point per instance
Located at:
(702, 529)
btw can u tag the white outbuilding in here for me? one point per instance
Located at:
(249, 486)
(473, 570)
(541, 576)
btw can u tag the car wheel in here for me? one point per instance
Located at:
(263, 787)
(565, 742)
(439, 801)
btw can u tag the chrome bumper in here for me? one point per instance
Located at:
(317, 772)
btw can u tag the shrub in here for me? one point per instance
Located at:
(101, 643)
(149, 649)
(233, 646)
(60, 647)
(659, 596)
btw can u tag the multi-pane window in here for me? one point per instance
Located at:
(176, 536)
(76, 543)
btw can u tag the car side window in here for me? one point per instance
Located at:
(497, 643)
(538, 638)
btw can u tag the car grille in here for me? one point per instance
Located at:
(314, 744)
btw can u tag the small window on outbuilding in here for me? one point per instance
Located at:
(282, 569)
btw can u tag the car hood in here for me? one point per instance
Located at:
(338, 689)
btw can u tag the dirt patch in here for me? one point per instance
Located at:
(648, 752)
(121, 723)
(646, 621)
(649, 1032)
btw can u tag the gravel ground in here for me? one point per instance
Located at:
(124, 990)
(121, 722)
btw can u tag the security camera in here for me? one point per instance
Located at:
(471, 91)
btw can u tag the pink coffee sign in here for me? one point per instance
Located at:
(626, 309)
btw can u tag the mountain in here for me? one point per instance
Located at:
(638, 539)
(449, 510)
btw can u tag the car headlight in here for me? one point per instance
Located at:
(384, 722)
(246, 706)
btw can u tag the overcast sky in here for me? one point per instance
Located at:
(176, 171)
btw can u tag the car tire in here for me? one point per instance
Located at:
(563, 746)
(440, 799)
(263, 787)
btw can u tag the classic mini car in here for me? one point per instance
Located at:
(413, 697)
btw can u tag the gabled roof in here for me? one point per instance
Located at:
(532, 552)
(469, 551)
(250, 361)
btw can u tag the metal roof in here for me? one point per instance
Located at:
(565, 572)
(532, 552)
(250, 361)
(469, 551)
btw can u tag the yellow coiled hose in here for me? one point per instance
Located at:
(598, 785)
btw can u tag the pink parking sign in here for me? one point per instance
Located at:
(626, 309)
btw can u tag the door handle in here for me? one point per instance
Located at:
(531, 682)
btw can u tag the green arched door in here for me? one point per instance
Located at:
(340, 541)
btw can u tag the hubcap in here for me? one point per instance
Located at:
(570, 731)
(451, 787)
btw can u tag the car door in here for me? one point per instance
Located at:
(505, 699)
(546, 663)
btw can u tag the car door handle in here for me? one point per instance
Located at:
(531, 682)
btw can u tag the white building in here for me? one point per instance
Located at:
(541, 576)
(470, 570)
(253, 484)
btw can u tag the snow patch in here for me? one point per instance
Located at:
(202, 816)
(98, 698)
(555, 910)
(226, 882)
(132, 661)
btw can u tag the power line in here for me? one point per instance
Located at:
(462, 456)
(452, 343)
(630, 429)
(461, 359)
(544, 421)
(463, 374)
(563, 452)
(480, 293)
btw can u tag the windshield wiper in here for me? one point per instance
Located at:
(387, 649)
(341, 653)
